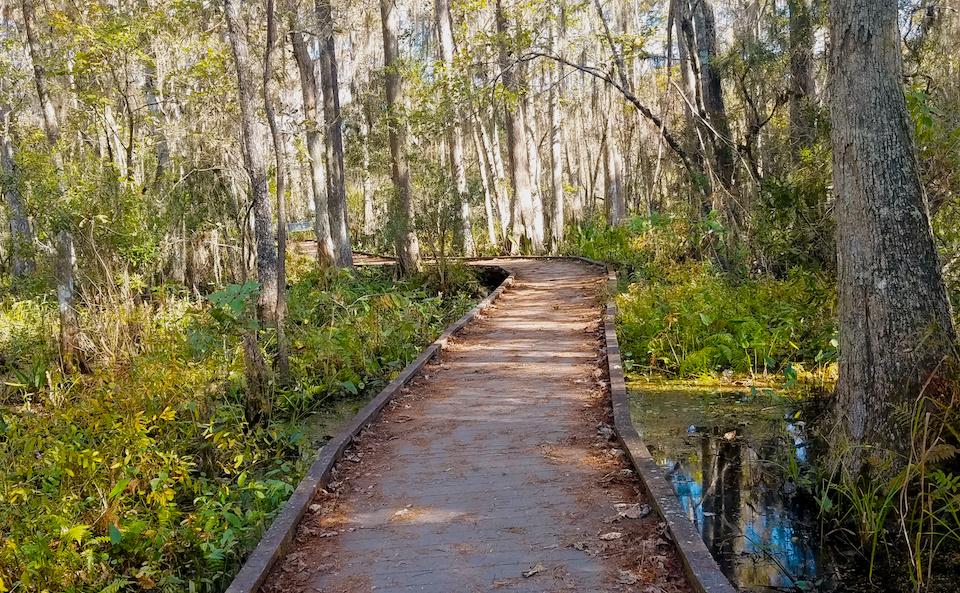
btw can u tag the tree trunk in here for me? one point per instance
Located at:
(802, 84)
(315, 148)
(161, 146)
(536, 171)
(51, 123)
(65, 255)
(408, 247)
(556, 157)
(255, 162)
(485, 181)
(491, 146)
(895, 318)
(369, 215)
(613, 170)
(66, 291)
(282, 362)
(21, 233)
(713, 92)
(336, 179)
(455, 129)
(522, 198)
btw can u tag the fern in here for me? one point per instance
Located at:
(115, 586)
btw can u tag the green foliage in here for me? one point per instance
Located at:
(791, 221)
(234, 306)
(144, 474)
(911, 503)
(697, 321)
(639, 248)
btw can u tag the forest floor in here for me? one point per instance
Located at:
(495, 470)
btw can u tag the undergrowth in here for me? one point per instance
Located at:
(144, 473)
(681, 316)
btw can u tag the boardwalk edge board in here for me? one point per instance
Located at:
(702, 570)
(277, 539)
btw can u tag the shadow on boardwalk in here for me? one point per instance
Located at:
(496, 470)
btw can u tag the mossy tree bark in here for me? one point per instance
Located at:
(315, 147)
(254, 142)
(456, 128)
(405, 236)
(523, 212)
(65, 252)
(895, 319)
(803, 87)
(333, 138)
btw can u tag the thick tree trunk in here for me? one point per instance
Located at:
(315, 148)
(255, 162)
(895, 318)
(161, 145)
(336, 178)
(522, 197)
(408, 247)
(455, 129)
(536, 171)
(66, 291)
(802, 84)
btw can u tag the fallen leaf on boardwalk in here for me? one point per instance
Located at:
(617, 475)
(607, 537)
(605, 430)
(589, 549)
(329, 534)
(402, 419)
(625, 577)
(315, 508)
(399, 514)
(534, 571)
(636, 511)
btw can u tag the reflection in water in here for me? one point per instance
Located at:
(727, 455)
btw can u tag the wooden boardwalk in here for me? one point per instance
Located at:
(496, 470)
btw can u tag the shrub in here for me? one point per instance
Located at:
(697, 321)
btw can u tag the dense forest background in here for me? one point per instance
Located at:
(165, 162)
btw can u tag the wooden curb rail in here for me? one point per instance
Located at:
(703, 572)
(279, 536)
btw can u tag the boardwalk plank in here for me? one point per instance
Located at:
(489, 465)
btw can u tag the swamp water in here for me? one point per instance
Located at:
(729, 455)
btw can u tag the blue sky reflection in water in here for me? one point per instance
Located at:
(729, 456)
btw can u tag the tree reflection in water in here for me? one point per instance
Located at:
(729, 457)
